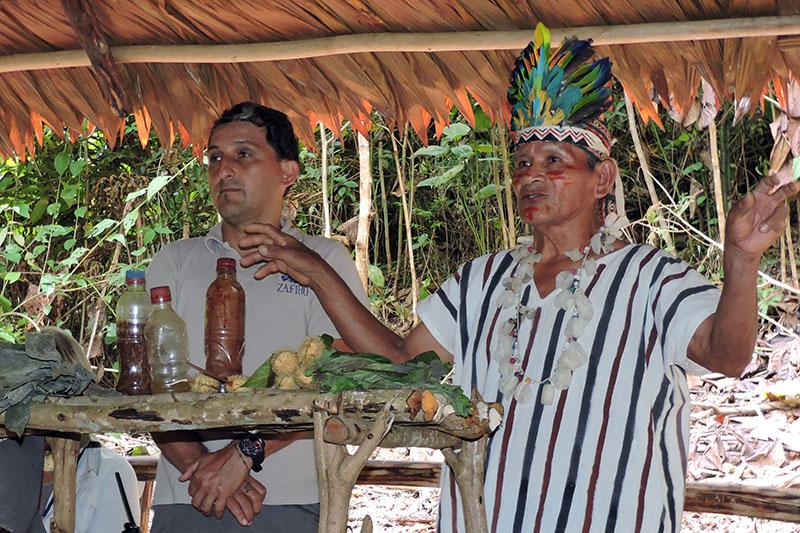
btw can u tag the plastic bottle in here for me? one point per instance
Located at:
(224, 332)
(167, 344)
(132, 310)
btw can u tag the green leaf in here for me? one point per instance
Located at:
(135, 194)
(101, 227)
(482, 120)
(81, 212)
(22, 209)
(12, 253)
(61, 161)
(70, 192)
(485, 192)
(148, 234)
(433, 150)
(68, 244)
(52, 209)
(463, 151)
(455, 131)
(139, 251)
(76, 167)
(3, 235)
(38, 250)
(11, 277)
(442, 179)
(260, 377)
(156, 184)
(5, 305)
(49, 281)
(51, 230)
(692, 168)
(74, 257)
(163, 230)
(375, 275)
(18, 238)
(39, 209)
(129, 221)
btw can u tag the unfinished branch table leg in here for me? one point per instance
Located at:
(469, 469)
(338, 471)
(65, 457)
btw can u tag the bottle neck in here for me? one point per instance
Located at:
(134, 287)
(162, 305)
(226, 274)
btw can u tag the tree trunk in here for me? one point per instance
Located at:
(326, 204)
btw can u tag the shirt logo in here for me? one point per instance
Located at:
(288, 285)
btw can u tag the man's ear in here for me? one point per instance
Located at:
(291, 170)
(606, 172)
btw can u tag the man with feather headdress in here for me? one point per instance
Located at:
(584, 338)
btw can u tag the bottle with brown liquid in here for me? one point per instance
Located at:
(132, 310)
(224, 334)
(167, 344)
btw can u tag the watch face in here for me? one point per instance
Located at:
(252, 446)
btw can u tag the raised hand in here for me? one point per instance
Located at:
(760, 217)
(279, 252)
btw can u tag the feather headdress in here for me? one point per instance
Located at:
(560, 96)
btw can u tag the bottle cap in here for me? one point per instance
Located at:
(159, 295)
(227, 264)
(134, 276)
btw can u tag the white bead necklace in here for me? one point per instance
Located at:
(571, 298)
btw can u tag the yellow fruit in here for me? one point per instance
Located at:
(203, 383)
(305, 382)
(286, 383)
(284, 363)
(235, 382)
(310, 350)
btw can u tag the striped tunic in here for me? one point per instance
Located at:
(610, 453)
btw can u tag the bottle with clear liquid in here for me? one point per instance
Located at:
(168, 344)
(224, 331)
(132, 311)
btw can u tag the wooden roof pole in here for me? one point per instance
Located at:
(413, 42)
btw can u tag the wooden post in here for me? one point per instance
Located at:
(65, 457)
(338, 470)
(469, 469)
(364, 208)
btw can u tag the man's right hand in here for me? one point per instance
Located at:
(246, 502)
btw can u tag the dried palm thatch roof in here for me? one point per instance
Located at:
(177, 94)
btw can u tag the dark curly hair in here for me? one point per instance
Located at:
(279, 132)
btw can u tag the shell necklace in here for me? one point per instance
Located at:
(571, 298)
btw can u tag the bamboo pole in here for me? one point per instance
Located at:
(384, 210)
(407, 223)
(364, 208)
(790, 246)
(509, 193)
(719, 194)
(648, 176)
(326, 204)
(696, 30)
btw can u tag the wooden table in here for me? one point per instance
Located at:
(364, 419)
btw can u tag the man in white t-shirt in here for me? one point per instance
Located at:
(585, 339)
(252, 162)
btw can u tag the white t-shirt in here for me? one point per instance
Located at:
(279, 313)
(98, 502)
(609, 454)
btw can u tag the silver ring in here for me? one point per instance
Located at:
(248, 487)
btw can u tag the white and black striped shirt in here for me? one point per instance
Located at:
(610, 453)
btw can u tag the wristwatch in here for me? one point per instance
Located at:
(252, 446)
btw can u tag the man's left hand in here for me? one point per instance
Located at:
(214, 478)
(760, 217)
